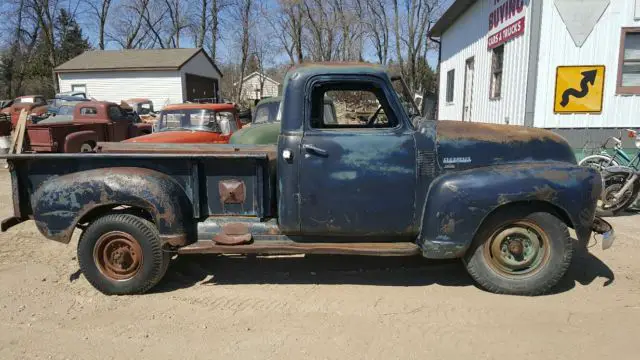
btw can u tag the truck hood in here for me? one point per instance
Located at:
(181, 137)
(266, 133)
(464, 145)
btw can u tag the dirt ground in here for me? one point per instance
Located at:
(319, 307)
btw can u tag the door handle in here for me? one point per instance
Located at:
(314, 149)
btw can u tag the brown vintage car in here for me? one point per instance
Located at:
(34, 104)
(93, 122)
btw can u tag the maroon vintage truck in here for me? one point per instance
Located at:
(92, 122)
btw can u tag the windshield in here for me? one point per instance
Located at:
(406, 99)
(197, 120)
(267, 112)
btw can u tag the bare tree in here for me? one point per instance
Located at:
(378, 26)
(44, 11)
(287, 23)
(128, 29)
(100, 9)
(175, 9)
(245, 7)
(202, 28)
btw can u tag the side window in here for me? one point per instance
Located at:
(356, 105)
(497, 60)
(88, 111)
(115, 113)
(450, 84)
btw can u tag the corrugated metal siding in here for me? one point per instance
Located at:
(601, 48)
(162, 87)
(467, 38)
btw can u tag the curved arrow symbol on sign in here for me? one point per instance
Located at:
(588, 77)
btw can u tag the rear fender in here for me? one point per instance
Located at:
(458, 202)
(61, 202)
(74, 141)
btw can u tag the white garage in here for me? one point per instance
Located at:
(166, 76)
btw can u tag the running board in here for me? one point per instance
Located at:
(291, 247)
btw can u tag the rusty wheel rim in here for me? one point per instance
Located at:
(118, 255)
(517, 249)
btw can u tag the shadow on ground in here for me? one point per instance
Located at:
(189, 270)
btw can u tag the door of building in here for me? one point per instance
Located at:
(467, 103)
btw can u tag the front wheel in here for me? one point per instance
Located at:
(122, 254)
(520, 253)
(598, 162)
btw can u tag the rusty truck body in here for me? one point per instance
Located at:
(499, 197)
(92, 122)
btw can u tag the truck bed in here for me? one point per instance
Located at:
(218, 180)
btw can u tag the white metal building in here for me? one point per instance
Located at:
(165, 76)
(252, 89)
(531, 62)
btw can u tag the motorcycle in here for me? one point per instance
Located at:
(619, 157)
(621, 183)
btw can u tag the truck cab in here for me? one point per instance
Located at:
(379, 180)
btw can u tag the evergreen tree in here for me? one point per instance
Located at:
(71, 42)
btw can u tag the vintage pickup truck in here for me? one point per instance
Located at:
(500, 197)
(91, 122)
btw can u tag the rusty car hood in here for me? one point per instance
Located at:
(464, 145)
(181, 136)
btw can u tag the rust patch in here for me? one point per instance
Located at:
(231, 191)
(174, 240)
(458, 130)
(556, 175)
(226, 239)
(545, 193)
(235, 228)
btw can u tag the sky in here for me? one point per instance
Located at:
(226, 49)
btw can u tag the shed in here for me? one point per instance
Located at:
(165, 76)
(252, 89)
(566, 65)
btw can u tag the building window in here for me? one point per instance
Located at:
(629, 63)
(450, 81)
(497, 61)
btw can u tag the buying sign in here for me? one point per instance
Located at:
(506, 21)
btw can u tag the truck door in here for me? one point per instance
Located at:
(119, 127)
(357, 172)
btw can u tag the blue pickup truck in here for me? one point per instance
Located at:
(378, 180)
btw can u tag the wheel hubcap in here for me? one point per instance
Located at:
(118, 255)
(516, 249)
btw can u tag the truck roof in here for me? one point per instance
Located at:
(215, 107)
(338, 67)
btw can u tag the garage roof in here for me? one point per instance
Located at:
(132, 60)
(450, 16)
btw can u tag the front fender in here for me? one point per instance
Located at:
(458, 202)
(74, 141)
(61, 202)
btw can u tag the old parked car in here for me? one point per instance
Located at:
(34, 105)
(500, 197)
(92, 121)
(143, 108)
(194, 123)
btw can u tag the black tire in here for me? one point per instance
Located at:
(485, 268)
(115, 231)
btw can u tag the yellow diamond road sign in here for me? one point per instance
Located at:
(579, 89)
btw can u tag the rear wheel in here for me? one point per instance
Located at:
(122, 254)
(520, 253)
(86, 147)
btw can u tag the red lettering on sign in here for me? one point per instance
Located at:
(511, 31)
